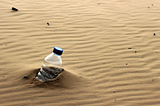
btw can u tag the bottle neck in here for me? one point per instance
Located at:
(56, 54)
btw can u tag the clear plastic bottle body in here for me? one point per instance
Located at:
(50, 69)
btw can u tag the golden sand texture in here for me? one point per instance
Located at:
(111, 55)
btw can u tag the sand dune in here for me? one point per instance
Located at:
(111, 55)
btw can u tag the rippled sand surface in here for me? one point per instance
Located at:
(111, 54)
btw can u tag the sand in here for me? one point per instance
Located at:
(111, 55)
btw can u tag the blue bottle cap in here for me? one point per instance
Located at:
(58, 50)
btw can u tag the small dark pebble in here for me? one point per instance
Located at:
(129, 48)
(152, 79)
(135, 51)
(154, 34)
(47, 23)
(25, 76)
(148, 7)
(3, 76)
(152, 4)
(14, 9)
(126, 63)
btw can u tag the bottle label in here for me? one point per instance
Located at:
(51, 72)
(46, 74)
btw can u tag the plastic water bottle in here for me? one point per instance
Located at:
(51, 69)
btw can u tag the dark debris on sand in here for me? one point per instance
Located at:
(15, 9)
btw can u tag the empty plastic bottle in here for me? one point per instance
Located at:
(51, 66)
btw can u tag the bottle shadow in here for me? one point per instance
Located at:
(65, 80)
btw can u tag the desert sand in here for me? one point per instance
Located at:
(111, 52)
